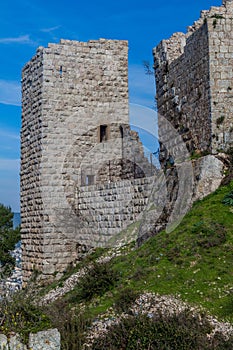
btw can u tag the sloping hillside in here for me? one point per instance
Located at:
(191, 265)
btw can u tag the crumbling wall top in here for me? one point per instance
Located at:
(227, 2)
(170, 49)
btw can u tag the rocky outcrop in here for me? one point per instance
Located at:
(209, 173)
(44, 340)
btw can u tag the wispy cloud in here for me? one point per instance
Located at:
(9, 164)
(9, 135)
(23, 39)
(49, 30)
(10, 92)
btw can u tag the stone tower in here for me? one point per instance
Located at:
(84, 176)
(194, 79)
(75, 94)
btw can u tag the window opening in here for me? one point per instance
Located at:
(90, 180)
(60, 71)
(103, 133)
(122, 132)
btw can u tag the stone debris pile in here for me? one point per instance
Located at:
(72, 281)
(151, 305)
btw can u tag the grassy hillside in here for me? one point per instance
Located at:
(193, 263)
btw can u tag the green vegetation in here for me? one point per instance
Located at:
(228, 199)
(193, 263)
(8, 238)
(98, 279)
(218, 16)
(178, 332)
(220, 120)
(19, 315)
(196, 154)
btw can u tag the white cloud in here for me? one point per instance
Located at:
(10, 92)
(49, 30)
(9, 135)
(9, 164)
(23, 39)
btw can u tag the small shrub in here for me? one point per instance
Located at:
(218, 16)
(71, 324)
(209, 235)
(228, 199)
(125, 299)
(220, 120)
(98, 279)
(173, 254)
(139, 273)
(184, 331)
(214, 23)
(19, 315)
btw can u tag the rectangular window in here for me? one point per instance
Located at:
(60, 71)
(103, 133)
(90, 180)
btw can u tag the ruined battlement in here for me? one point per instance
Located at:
(194, 80)
(173, 47)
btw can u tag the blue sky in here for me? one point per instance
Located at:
(25, 25)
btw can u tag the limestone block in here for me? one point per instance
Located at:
(3, 342)
(209, 177)
(16, 344)
(45, 340)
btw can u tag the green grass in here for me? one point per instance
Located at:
(195, 261)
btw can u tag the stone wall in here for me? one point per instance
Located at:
(32, 214)
(84, 175)
(69, 90)
(106, 209)
(221, 76)
(194, 80)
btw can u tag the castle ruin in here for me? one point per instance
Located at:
(84, 175)
(194, 80)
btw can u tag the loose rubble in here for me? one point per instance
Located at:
(151, 304)
(72, 281)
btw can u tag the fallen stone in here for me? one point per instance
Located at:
(45, 340)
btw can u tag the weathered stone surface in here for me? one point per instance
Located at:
(209, 172)
(69, 89)
(16, 344)
(3, 342)
(84, 175)
(194, 80)
(45, 340)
